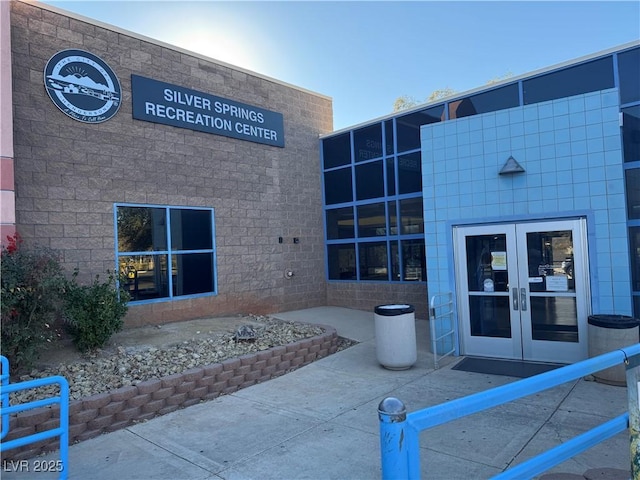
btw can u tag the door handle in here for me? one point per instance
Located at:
(523, 298)
(515, 298)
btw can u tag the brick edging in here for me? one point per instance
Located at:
(115, 410)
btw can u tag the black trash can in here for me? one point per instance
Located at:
(396, 336)
(606, 334)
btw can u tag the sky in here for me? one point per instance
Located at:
(364, 55)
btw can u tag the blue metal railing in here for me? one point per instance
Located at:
(443, 326)
(6, 409)
(399, 431)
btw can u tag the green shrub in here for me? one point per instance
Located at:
(33, 285)
(94, 312)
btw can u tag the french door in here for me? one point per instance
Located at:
(523, 290)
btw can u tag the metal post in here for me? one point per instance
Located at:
(633, 390)
(393, 447)
(64, 425)
(4, 398)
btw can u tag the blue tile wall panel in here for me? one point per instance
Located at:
(570, 149)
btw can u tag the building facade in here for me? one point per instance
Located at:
(202, 187)
(215, 191)
(521, 200)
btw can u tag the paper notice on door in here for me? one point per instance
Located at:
(557, 283)
(499, 260)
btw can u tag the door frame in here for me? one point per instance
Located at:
(521, 345)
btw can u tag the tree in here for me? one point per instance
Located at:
(405, 101)
(440, 94)
(500, 78)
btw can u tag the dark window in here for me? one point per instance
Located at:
(633, 193)
(336, 151)
(340, 223)
(391, 176)
(367, 143)
(192, 273)
(337, 186)
(149, 270)
(414, 263)
(141, 229)
(388, 136)
(414, 266)
(629, 73)
(342, 261)
(498, 99)
(373, 261)
(191, 229)
(369, 180)
(634, 241)
(409, 173)
(631, 133)
(395, 260)
(408, 126)
(371, 220)
(393, 218)
(411, 217)
(144, 276)
(584, 78)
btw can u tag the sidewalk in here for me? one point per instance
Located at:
(321, 422)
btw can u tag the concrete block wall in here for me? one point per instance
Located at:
(115, 410)
(69, 174)
(365, 296)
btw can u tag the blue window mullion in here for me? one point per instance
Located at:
(167, 222)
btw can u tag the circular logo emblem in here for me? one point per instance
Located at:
(82, 85)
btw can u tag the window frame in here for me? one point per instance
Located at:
(169, 251)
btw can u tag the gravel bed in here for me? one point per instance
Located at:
(103, 371)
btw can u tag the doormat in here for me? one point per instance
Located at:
(510, 368)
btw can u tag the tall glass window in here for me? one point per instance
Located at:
(414, 266)
(409, 173)
(498, 99)
(629, 74)
(583, 78)
(408, 126)
(631, 133)
(632, 178)
(342, 261)
(337, 186)
(336, 151)
(367, 143)
(373, 261)
(165, 252)
(340, 223)
(391, 176)
(634, 242)
(372, 220)
(408, 263)
(388, 137)
(371, 234)
(411, 215)
(369, 180)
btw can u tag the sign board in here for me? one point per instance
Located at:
(82, 86)
(160, 102)
(499, 260)
(557, 283)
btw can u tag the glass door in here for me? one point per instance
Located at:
(523, 290)
(554, 289)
